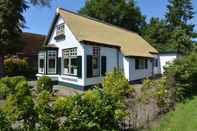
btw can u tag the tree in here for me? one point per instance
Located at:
(157, 34)
(123, 13)
(179, 15)
(12, 22)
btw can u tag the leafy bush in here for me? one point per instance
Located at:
(44, 83)
(116, 84)
(93, 110)
(46, 116)
(19, 102)
(8, 85)
(18, 67)
(4, 123)
(97, 109)
(184, 72)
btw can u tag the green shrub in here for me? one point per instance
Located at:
(19, 103)
(97, 109)
(18, 67)
(116, 84)
(4, 123)
(8, 85)
(46, 116)
(92, 110)
(184, 72)
(44, 83)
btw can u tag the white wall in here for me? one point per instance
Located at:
(166, 58)
(111, 56)
(69, 42)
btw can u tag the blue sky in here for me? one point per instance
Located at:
(38, 19)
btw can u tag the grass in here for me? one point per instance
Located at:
(184, 118)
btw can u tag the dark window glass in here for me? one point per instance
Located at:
(146, 64)
(136, 63)
(74, 66)
(156, 62)
(66, 63)
(51, 63)
(41, 63)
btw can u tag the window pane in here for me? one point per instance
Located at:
(66, 63)
(41, 63)
(95, 62)
(74, 66)
(51, 63)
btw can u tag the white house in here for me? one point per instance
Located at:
(165, 58)
(80, 50)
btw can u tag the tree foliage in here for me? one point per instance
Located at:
(157, 34)
(175, 32)
(123, 13)
(184, 71)
(11, 23)
(18, 104)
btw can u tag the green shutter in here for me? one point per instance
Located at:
(89, 66)
(103, 65)
(79, 66)
(59, 67)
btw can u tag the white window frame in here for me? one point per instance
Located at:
(52, 54)
(41, 56)
(70, 54)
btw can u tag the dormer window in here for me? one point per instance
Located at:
(60, 32)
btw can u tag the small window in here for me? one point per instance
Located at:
(60, 29)
(141, 64)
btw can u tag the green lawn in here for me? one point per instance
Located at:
(184, 118)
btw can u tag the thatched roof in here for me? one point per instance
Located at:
(89, 29)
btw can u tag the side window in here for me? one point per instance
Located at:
(52, 62)
(41, 62)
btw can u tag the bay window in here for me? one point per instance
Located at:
(70, 62)
(52, 62)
